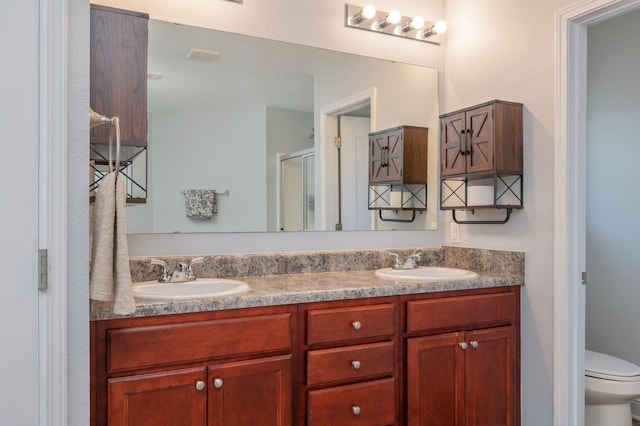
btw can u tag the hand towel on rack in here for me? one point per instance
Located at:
(110, 273)
(200, 203)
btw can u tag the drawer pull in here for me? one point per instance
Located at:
(463, 345)
(200, 385)
(356, 325)
(356, 365)
(356, 410)
(474, 344)
(217, 383)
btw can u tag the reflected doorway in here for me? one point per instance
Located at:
(297, 191)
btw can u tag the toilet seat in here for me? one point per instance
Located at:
(602, 366)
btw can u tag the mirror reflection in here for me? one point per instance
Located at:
(256, 121)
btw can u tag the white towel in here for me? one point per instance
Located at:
(110, 273)
(200, 203)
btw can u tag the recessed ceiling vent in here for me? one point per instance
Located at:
(202, 55)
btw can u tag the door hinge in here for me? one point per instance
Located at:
(338, 142)
(584, 278)
(43, 282)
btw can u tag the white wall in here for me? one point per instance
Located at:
(613, 227)
(207, 149)
(505, 50)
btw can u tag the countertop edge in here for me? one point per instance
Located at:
(273, 290)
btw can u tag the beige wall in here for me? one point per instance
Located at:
(506, 50)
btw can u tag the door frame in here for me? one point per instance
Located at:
(570, 201)
(326, 153)
(53, 122)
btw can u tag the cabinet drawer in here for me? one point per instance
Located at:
(371, 403)
(359, 322)
(158, 345)
(457, 312)
(331, 365)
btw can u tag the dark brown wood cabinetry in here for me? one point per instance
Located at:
(398, 155)
(480, 139)
(118, 72)
(351, 370)
(481, 164)
(441, 358)
(465, 371)
(219, 368)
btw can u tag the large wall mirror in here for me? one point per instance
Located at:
(257, 123)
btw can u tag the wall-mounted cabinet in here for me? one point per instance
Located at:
(481, 158)
(118, 77)
(398, 169)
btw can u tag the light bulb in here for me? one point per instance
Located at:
(394, 17)
(367, 12)
(440, 27)
(417, 23)
(414, 24)
(437, 28)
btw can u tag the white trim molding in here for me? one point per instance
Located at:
(570, 201)
(52, 122)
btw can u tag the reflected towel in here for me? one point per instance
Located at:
(200, 203)
(110, 273)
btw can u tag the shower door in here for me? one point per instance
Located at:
(297, 196)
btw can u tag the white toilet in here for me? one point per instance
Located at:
(610, 385)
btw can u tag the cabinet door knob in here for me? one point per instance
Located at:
(356, 364)
(474, 344)
(200, 385)
(356, 325)
(463, 345)
(356, 410)
(217, 383)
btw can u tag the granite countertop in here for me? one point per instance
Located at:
(287, 289)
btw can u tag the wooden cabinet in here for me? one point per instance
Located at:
(481, 159)
(118, 72)
(351, 371)
(176, 397)
(449, 358)
(230, 367)
(483, 138)
(249, 393)
(467, 376)
(398, 155)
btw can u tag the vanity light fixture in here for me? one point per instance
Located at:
(393, 23)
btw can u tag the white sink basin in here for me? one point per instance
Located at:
(198, 289)
(426, 273)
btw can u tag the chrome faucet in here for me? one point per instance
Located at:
(181, 273)
(411, 261)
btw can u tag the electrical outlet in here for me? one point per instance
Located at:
(453, 233)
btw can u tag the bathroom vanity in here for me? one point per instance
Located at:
(327, 348)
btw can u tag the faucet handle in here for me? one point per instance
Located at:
(417, 255)
(397, 263)
(164, 278)
(190, 275)
(196, 260)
